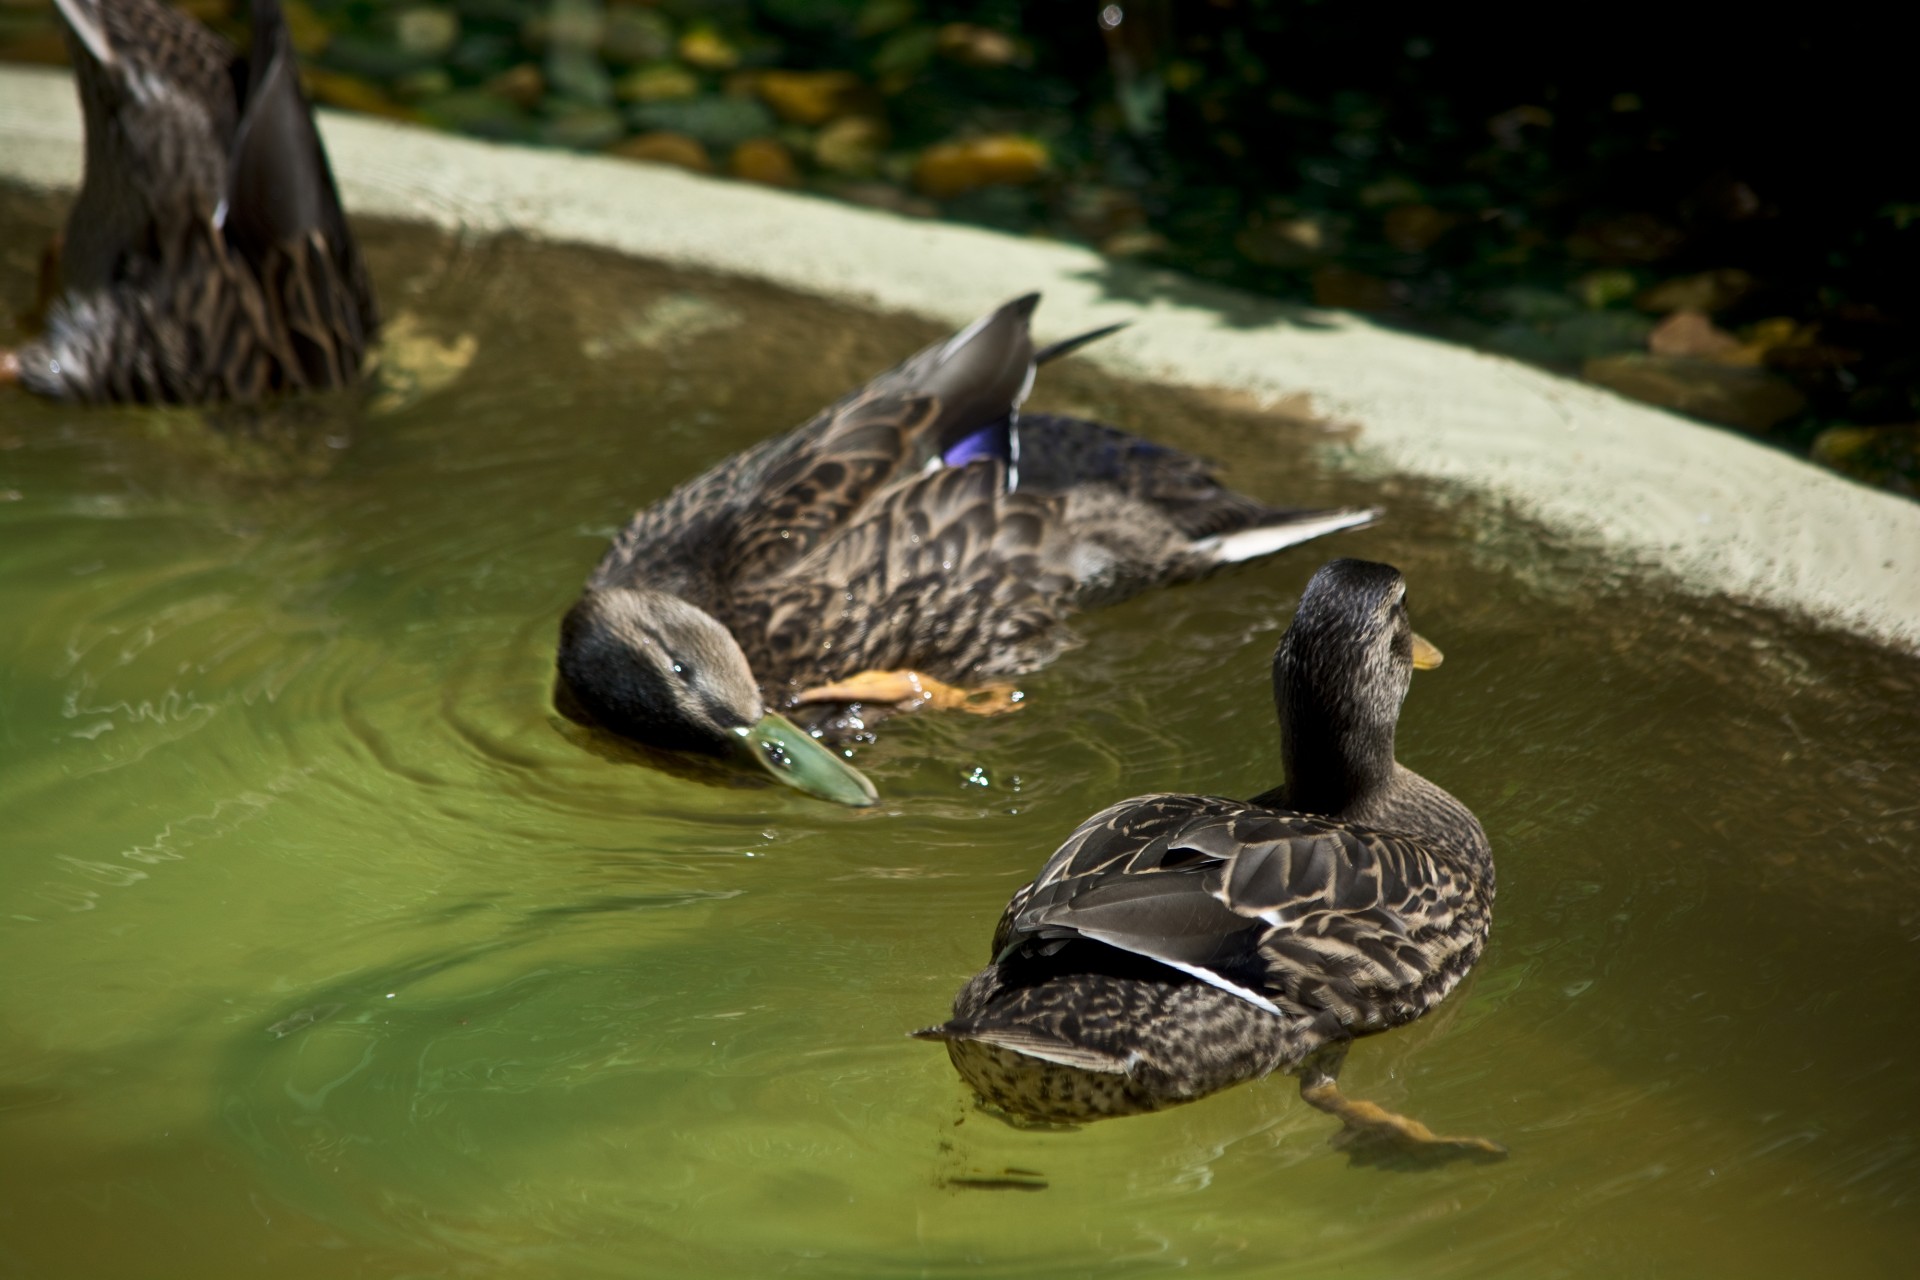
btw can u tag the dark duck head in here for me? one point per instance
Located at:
(1339, 677)
(651, 667)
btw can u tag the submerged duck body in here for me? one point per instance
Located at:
(207, 259)
(1175, 945)
(917, 537)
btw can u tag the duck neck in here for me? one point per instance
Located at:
(1338, 760)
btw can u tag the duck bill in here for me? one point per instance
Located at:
(791, 755)
(1426, 654)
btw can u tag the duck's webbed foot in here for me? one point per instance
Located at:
(9, 368)
(910, 690)
(1370, 1125)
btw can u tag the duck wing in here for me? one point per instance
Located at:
(157, 91)
(1303, 916)
(945, 573)
(281, 213)
(763, 511)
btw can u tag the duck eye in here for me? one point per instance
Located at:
(683, 671)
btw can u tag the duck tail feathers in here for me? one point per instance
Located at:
(1032, 1044)
(1288, 529)
(1067, 346)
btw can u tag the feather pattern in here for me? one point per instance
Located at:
(207, 258)
(1189, 942)
(890, 532)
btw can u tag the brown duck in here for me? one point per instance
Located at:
(206, 259)
(1179, 944)
(913, 543)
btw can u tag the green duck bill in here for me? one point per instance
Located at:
(791, 755)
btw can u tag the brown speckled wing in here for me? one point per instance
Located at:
(1318, 918)
(945, 573)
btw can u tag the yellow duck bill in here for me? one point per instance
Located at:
(789, 753)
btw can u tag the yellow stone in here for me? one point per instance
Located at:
(851, 145)
(702, 47)
(332, 89)
(765, 161)
(664, 83)
(309, 34)
(953, 168)
(809, 97)
(665, 147)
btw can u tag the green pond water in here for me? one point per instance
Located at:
(329, 950)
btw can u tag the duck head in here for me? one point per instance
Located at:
(651, 667)
(1339, 676)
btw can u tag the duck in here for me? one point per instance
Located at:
(207, 259)
(914, 544)
(1176, 945)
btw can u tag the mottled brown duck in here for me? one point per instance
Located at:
(206, 260)
(914, 543)
(1179, 944)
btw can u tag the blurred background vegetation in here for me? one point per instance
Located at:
(1702, 208)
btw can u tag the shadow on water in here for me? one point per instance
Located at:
(334, 948)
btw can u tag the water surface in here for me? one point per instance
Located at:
(330, 950)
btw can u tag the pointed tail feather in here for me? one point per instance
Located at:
(1067, 346)
(1033, 1044)
(1264, 540)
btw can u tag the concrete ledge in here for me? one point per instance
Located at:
(1720, 513)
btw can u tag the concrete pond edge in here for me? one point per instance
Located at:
(1718, 512)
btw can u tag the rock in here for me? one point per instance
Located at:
(577, 73)
(1135, 243)
(369, 57)
(1390, 191)
(1706, 291)
(1338, 286)
(583, 128)
(308, 32)
(570, 24)
(972, 45)
(425, 31)
(481, 54)
(1415, 228)
(479, 113)
(350, 93)
(418, 85)
(881, 195)
(904, 55)
(952, 168)
(1625, 240)
(851, 146)
(714, 119)
(663, 82)
(1587, 335)
(664, 147)
(1286, 242)
(1598, 290)
(523, 86)
(765, 161)
(1528, 304)
(1888, 457)
(1750, 399)
(634, 36)
(1509, 128)
(702, 47)
(810, 97)
(1691, 333)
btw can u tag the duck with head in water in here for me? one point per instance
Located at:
(917, 542)
(207, 260)
(1179, 944)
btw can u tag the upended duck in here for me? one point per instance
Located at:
(912, 544)
(1179, 944)
(207, 259)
